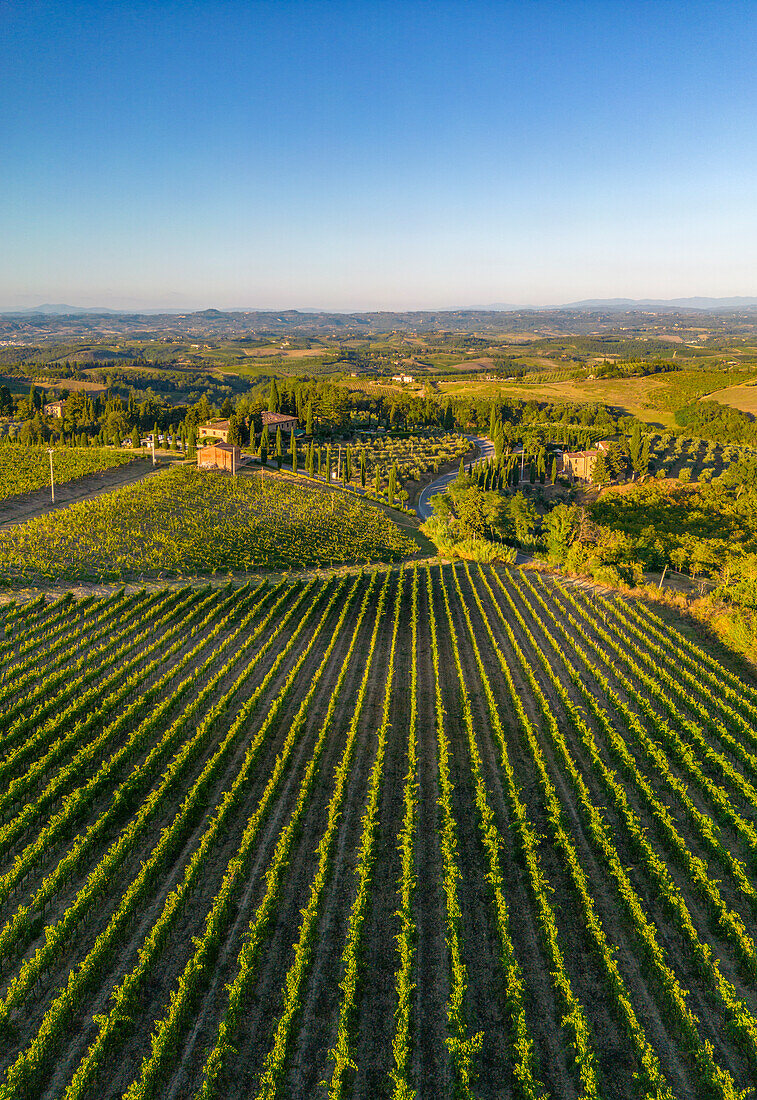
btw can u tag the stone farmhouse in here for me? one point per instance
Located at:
(215, 429)
(280, 420)
(580, 464)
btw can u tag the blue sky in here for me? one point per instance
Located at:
(376, 155)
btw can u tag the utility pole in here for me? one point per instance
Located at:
(233, 461)
(662, 578)
(52, 482)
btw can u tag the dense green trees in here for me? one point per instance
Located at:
(721, 423)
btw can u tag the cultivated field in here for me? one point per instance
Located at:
(424, 832)
(634, 395)
(24, 469)
(692, 458)
(185, 521)
(652, 398)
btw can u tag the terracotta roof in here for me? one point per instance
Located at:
(278, 418)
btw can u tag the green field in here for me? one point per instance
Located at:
(24, 469)
(184, 521)
(445, 833)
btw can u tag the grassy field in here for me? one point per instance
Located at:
(433, 833)
(651, 398)
(632, 395)
(285, 353)
(742, 397)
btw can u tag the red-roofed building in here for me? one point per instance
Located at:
(216, 429)
(580, 464)
(280, 420)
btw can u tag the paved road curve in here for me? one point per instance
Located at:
(485, 449)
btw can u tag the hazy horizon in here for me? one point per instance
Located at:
(726, 302)
(376, 155)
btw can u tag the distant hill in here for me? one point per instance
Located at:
(664, 303)
(501, 307)
(48, 310)
(589, 317)
(423, 316)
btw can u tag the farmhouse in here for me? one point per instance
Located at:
(405, 379)
(580, 464)
(219, 456)
(55, 408)
(215, 429)
(280, 420)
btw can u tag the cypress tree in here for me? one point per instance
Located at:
(644, 459)
(392, 484)
(274, 397)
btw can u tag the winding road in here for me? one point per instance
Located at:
(485, 449)
(424, 507)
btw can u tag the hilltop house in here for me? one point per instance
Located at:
(215, 429)
(280, 420)
(55, 408)
(580, 464)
